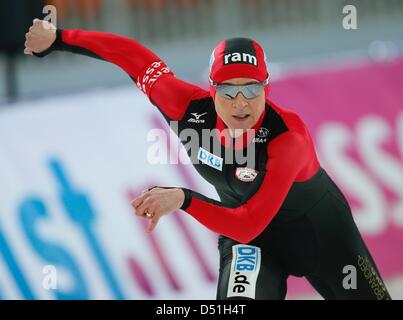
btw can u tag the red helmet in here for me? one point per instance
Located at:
(238, 58)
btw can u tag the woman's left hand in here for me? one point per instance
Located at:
(153, 204)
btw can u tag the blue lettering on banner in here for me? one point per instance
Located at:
(246, 258)
(32, 212)
(14, 269)
(80, 210)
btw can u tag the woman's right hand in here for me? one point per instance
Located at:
(40, 37)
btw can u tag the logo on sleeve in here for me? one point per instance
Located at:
(210, 159)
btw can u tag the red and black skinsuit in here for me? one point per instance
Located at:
(280, 214)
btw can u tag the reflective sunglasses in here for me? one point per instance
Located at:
(230, 91)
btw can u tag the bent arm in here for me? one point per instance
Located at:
(288, 155)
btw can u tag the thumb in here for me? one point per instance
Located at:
(153, 223)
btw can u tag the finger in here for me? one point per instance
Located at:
(152, 210)
(141, 207)
(28, 51)
(146, 205)
(153, 223)
(27, 45)
(31, 37)
(38, 22)
(138, 201)
(141, 212)
(33, 30)
(143, 217)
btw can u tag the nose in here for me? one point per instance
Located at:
(239, 101)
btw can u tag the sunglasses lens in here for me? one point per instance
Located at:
(248, 91)
(228, 92)
(252, 91)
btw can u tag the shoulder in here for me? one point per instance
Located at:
(200, 94)
(289, 142)
(200, 112)
(294, 137)
(290, 118)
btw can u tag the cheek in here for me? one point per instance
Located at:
(219, 108)
(258, 106)
(223, 110)
(259, 103)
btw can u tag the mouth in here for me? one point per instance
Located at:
(241, 117)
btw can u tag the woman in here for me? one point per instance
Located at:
(280, 214)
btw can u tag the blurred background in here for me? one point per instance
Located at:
(74, 139)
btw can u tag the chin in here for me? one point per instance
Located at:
(238, 126)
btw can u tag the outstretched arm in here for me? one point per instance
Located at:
(171, 95)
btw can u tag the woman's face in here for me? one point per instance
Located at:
(240, 113)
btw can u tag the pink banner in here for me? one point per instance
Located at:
(355, 116)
